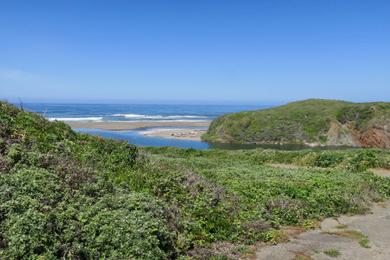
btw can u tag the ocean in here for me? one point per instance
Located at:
(139, 113)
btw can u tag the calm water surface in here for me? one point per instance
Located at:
(134, 137)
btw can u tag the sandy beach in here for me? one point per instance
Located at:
(190, 132)
(186, 134)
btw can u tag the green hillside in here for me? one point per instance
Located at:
(76, 196)
(313, 122)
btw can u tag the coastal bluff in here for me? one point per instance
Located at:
(313, 122)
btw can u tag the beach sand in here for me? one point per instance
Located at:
(191, 132)
(186, 134)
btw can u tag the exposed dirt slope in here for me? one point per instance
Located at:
(348, 237)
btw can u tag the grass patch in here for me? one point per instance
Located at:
(364, 242)
(341, 226)
(356, 235)
(332, 252)
(302, 256)
(275, 236)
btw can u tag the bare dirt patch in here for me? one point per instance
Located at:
(352, 237)
(285, 166)
(380, 172)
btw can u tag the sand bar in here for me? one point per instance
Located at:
(117, 126)
(184, 133)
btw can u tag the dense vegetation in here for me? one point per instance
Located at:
(305, 122)
(64, 194)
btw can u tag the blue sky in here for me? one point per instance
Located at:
(194, 51)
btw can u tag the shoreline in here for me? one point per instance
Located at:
(190, 132)
(118, 126)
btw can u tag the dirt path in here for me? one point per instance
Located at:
(380, 172)
(377, 171)
(285, 166)
(348, 237)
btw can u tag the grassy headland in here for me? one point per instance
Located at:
(64, 194)
(313, 122)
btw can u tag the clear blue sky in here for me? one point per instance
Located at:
(199, 51)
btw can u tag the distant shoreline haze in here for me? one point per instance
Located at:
(134, 112)
(263, 101)
(17, 101)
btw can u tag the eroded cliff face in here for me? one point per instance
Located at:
(377, 136)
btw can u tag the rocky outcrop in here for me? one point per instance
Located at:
(342, 134)
(347, 135)
(377, 136)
